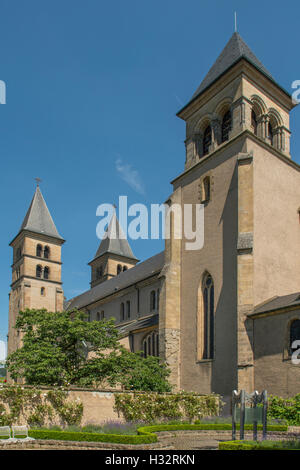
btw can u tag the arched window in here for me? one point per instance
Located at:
(122, 312)
(43, 291)
(119, 269)
(19, 253)
(226, 126)
(254, 121)
(152, 300)
(151, 344)
(270, 133)
(102, 315)
(99, 272)
(39, 250)
(208, 304)
(39, 271)
(206, 140)
(46, 252)
(205, 320)
(46, 272)
(205, 189)
(294, 335)
(125, 268)
(157, 297)
(128, 308)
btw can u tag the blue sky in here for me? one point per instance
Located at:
(92, 92)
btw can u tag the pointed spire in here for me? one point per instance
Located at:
(115, 241)
(38, 218)
(234, 50)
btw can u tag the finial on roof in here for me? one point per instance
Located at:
(38, 181)
(235, 22)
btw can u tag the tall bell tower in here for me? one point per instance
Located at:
(36, 266)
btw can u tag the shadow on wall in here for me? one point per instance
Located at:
(224, 367)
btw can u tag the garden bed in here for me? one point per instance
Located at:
(144, 434)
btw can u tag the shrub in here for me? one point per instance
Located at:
(264, 445)
(92, 437)
(35, 407)
(287, 409)
(153, 407)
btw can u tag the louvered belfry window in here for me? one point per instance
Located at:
(226, 126)
(206, 140)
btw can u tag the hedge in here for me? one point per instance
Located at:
(266, 445)
(146, 434)
(93, 437)
(205, 427)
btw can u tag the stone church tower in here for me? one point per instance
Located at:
(36, 267)
(238, 165)
(113, 256)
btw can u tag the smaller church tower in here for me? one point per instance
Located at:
(113, 256)
(36, 267)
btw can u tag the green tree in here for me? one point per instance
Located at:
(55, 349)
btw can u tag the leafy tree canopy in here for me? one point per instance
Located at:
(63, 348)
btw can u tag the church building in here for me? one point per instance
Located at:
(223, 317)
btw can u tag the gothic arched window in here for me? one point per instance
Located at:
(122, 312)
(226, 126)
(152, 300)
(206, 140)
(254, 122)
(39, 250)
(39, 271)
(125, 268)
(46, 272)
(119, 269)
(294, 335)
(46, 252)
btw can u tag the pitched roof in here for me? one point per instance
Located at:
(115, 241)
(139, 323)
(234, 50)
(277, 303)
(38, 218)
(125, 279)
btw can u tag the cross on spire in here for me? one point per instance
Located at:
(38, 181)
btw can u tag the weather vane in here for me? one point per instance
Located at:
(38, 181)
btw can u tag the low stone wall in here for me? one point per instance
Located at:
(97, 406)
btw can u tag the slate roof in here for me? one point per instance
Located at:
(115, 241)
(278, 303)
(38, 218)
(235, 50)
(125, 279)
(138, 324)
